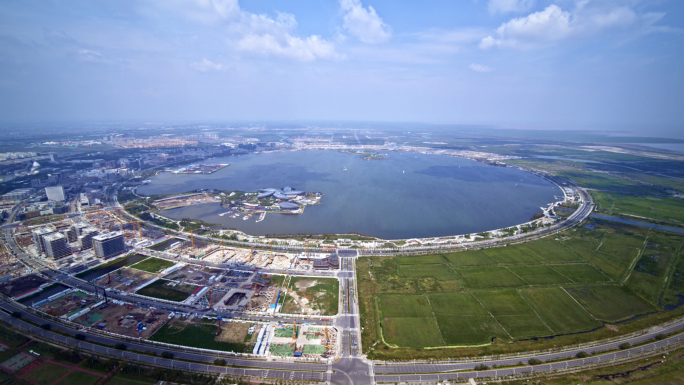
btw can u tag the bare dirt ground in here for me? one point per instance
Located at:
(194, 274)
(234, 332)
(123, 319)
(68, 304)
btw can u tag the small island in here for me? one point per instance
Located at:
(200, 168)
(269, 200)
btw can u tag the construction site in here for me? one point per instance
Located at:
(305, 341)
(124, 319)
(21, 286)
(125, 279)
(183, 200)
(68, 304)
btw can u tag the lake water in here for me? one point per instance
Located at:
(408, 195)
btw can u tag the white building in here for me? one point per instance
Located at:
(55, 193)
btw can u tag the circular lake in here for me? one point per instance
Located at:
(407, 195)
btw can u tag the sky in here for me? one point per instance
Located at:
(525, 63)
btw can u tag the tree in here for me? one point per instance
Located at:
(80, 337)
(625, 345)
(45, 326)
(582, 355)
(167, 355)
(534, 361)
(120, 346)
(220, 362)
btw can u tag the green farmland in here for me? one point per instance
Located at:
(503, 299)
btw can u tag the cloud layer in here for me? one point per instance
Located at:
(364, 24)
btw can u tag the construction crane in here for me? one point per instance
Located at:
(256, 289)
(139, 227)
(294, 333)
(192, 239)
(327, 338)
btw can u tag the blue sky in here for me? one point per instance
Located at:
(523, 63)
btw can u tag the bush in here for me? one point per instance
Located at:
(80, 337)
(120, 346)
(660, 337)
(534, 361)
(46, 326)
(582, 355)
(220, 362)
(16, 314)
(167, 355)
(625, 345)
(481, 367)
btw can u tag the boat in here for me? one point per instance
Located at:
(227, 212)
(261, 217)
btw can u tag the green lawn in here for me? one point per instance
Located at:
(665, 210)
(158, 289)
(580, 273)
(550, 251)
(80, 378)
(610, 303)
(511, 255)
(558, 310)
(395, 306)
(47, 373)
(323, 295)
(486, 277)
(152, 265)
(539, 275)
(120, 379)
(413, 332)
(436, 271)
(421, 260)
(469, 330)
(194, 335)
(460, 304)
(470, 258)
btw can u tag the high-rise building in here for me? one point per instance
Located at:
(38, 235)
(87, 237)
(56, 246)
(55, 193)
(109, 245)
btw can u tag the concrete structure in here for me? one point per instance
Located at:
(56, 246)
(55, 193)
(38, 235)
(109, 245)
(17, 194)
(86, 237)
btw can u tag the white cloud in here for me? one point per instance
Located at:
(365, 24)
(206, 65)
(256, 33)
(479, 68)
(308, 49)
(505, 6)
(554, 24)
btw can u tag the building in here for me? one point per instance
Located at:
(109, 245)
(55, 193)
(56, 246)
(86, 237)
(18, 194)
(38, 235)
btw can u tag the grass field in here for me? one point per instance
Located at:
(120, 379)
(413, 332)
(580, 273)
(478, 277)
(501, 299)
(323, 295)
(194, 335)
(461, 304)
(152, 265)
(439, 272)
(610, 303)
(558, 310)
(80, 378)
(47, 373)
(469, 330)
(405, 306)
(538, 275)
(158, 289)
(665, 210)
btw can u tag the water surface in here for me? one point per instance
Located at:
(408, 195)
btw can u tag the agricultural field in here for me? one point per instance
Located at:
(533, 295)
(152, 265)
(663, 210)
